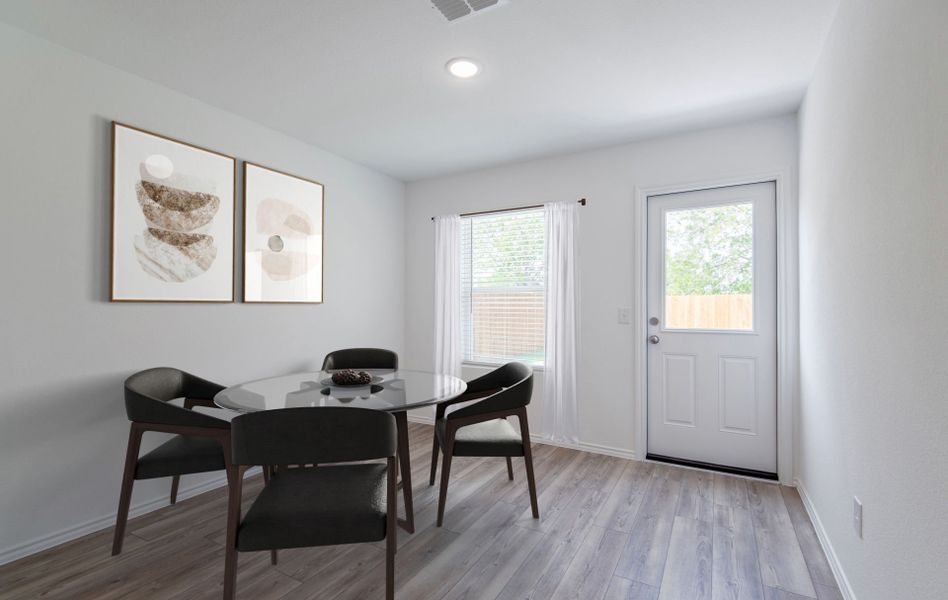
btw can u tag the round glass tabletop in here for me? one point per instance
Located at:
(392, 391)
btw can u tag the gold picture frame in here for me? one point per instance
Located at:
(280, 252)
(169, 220)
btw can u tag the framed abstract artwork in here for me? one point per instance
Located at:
(283, 237)
(173, 208)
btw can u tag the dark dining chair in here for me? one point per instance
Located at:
(361, 358)
(482, 428)
(201, 442)
(331, 505)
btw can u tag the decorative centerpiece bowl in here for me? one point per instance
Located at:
(351, 377)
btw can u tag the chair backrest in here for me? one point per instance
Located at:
(515, 381)
(147, 394)
(312, 435)
(361, 358)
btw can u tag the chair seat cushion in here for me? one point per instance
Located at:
(181, 455)
(317, 506)
(489, 438)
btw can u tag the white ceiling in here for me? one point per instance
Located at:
(365, 78)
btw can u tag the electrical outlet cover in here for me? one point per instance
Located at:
(857, 516)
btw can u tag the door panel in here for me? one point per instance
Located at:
(712, 360)
(679, 397)
(738, 394)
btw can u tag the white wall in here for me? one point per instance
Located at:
(66, 349)
(874, 295)
(608, 179)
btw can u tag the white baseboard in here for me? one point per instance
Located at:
(8, 555)
(421, 419)
(585, 447)
(845, 589)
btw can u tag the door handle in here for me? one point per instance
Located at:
(653, 339)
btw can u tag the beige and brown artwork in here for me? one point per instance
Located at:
(175, 247)
(282, 223)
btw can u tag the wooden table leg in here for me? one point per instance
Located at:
(401, 422)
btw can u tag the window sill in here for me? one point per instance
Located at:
(486, 365)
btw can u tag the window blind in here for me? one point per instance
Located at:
(503, 277)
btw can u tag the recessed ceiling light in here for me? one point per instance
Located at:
(463, 68)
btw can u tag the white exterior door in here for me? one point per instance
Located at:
(712, 310)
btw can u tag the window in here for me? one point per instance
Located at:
(709, 268)
(503, 277)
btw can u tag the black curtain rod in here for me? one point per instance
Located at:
(582, 202)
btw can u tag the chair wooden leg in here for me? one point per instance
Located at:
(273, 557)
(434, 460)
(532, 485)
(509, 469)
(404, 462)
(528, 461)
(445, 471)
(174, 489)
(128, 480)
(235, 476)
(230, 573)
(391, 539)
(390, 569)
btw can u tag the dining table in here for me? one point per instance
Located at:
(392, 391)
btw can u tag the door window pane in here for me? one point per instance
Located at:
(709, 267)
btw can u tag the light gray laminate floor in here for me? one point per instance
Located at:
(609, 529)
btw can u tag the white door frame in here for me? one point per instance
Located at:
(788, 330)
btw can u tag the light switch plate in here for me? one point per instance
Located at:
(624, 315)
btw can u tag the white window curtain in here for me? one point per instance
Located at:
(560, 412)
(447, 281)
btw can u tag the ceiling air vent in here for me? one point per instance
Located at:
(458, 9)
(479, 4)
